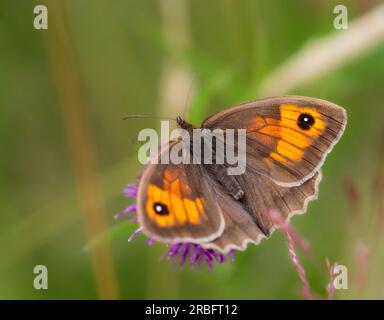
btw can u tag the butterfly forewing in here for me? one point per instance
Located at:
(288, 138)
(177, 203)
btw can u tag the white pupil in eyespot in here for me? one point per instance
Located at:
(158, 208)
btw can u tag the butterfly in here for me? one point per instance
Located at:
(287, 141)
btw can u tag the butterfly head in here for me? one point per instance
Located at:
(183, 124)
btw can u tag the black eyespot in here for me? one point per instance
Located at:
(160, 209)
(305, 121)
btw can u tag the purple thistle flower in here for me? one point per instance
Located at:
(191, 253)
(135, 233)
(131, 208)
(150, 241)
(195, 254)
(130, 191)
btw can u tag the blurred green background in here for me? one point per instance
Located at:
(66, 154)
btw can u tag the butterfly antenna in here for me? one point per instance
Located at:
(142, 116)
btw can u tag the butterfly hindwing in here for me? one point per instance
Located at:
(251, 220)
(262, 196)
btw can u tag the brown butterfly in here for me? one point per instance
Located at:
(287, 141)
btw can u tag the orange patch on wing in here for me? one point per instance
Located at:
(155, 194)
(177, 202)
(289, 151)
(256, 127)
(255, 124)
(193, 213)
(171, 174)
(292, 112)
(284, 134)
(278, 157)
(181, 209)
(289, 135)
